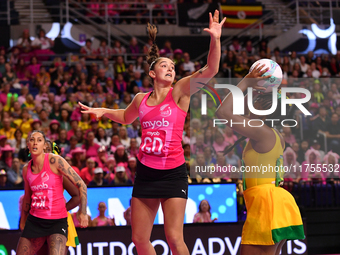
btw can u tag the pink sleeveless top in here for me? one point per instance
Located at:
(48, 201)
(102, 223)
(162, 131)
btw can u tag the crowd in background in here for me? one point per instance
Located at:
(36, 96)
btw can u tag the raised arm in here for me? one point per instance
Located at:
(26, 202)
(182, 87)
(225, 110)
(122, 116)
(61, 165)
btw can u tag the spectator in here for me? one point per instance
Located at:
(302, 151)
(146, 85)
(24, 123)
(62, 141)
(10, 77)
(4, 183)
(233, 160)
(3, 141)
(204, 214)
(220, 143)
(331, 160)
(134, 48)
(16, 110)
(333, 134)
(317, 94)
(90, 146)
(21, 70)
(304, 66)
(33, 68)
(289, 161)
(108, 68)
(98, 180)
(87, 173)
(88, 51)
(101, 138)
(4, 95)
(101, 220)
(85, 121)
(18, 142)
(110, 166)
(131, 169)
(23, 93)
(36, 125)
(104, 50)
(240, 69)
(138, 66)
(251, 50)
(72, 131)
(188, 65)
(121, 155)
(43, 77)
(316, 146)
(119, 66)
(288, 136)
(209, 156)
(2, 65)
(42, 46)
(6, 157)
(229, 135)
(72, 145)
(121, 176)
(14, 174)
(293, 59)
(235, 46)
(7, 130)
(25, 44)
(321, 123)
(45, 122)
(315, 72)
(312, 157)
(43, 94)
(118, 49)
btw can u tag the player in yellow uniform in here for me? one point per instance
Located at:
(272, 214)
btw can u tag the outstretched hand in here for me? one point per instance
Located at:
(215, 28)
(98, 112)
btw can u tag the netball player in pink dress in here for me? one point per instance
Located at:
(44, 215)
(161, 176)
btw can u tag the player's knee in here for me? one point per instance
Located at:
(174, 239)
(139, 240)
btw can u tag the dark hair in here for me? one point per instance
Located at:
(265, 99)
(153, 53)
(97, 134)
(87, 145)
(88, 40)
(123, 159)
(38, 131)
(54, 147)
(200, 209)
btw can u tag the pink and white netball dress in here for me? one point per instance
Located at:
(48, 201)
(162, 130)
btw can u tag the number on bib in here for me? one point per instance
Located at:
(153, 142)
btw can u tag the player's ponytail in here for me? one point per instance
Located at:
(153, 53)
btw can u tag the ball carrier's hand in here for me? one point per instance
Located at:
(256, 75)
(98, 112)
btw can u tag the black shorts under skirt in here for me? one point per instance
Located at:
(36, 227)
(154, 183)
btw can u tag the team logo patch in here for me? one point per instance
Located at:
(165, 110)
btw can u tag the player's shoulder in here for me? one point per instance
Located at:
(139, 97)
